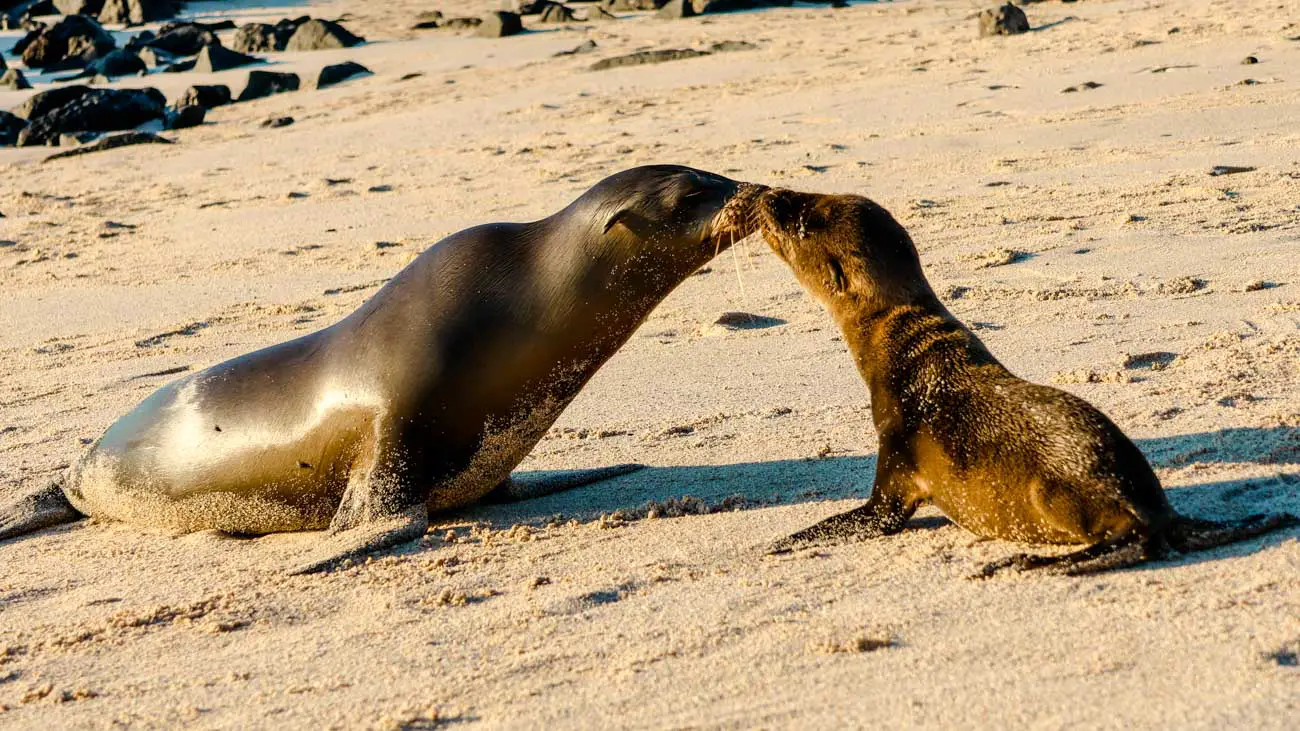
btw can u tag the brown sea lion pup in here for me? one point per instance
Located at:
(1002, 457)
(424, 398)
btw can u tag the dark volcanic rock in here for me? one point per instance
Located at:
(214, 27)
(10, 126)
(266, 83)
(98, 110)
(556, 13)
(674, 9)
(141, 38)
(644, 57)
(181, 117)
(428, 19)
(180, 66)
(289, 25)
(184, 39)
(499, 24)
(21, 44)
(632, 5)
(316, 34)
(277, 122)
(135, 12)
(108, 143)
(117, 63)
(72, 42)
(38, 105)
(339, 72)
(218, 58)
(258, 38)
(461, 23)
(13, 79)
(19, 14)
(1007, 20)
(207, 96)
(154, 57)
(78, 7)
(526, 7)
(710, 7)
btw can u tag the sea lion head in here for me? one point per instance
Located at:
(669, 209)
(842, 247)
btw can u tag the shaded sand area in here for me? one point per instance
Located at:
(1081, 232)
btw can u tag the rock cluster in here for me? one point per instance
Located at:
(93, 110)
(1007, 20)
(508, 20)
(77, 113)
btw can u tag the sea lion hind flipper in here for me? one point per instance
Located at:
(378, 511)
(1196, 534)
(515, 489)
(1121, 552)
(43, 508)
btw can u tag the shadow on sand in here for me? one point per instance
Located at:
(849, 478)
(845, 478)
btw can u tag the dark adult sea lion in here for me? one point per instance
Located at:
(1002, 457)
(424, 398)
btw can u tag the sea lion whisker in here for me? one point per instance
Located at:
(744, 298)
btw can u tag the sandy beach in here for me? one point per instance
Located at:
(1080, 233)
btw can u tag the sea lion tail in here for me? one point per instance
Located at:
(1196, 534)
(35, 510)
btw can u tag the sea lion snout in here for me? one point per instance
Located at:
(736, 219)
(794, 225)
(783, 218)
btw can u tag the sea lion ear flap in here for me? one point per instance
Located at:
(635, 223)
(616, 218)
(837, 281)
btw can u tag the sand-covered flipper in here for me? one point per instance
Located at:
(1183, 536)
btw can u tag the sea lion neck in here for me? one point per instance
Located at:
(902, 348)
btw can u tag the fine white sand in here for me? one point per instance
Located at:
(545, 613)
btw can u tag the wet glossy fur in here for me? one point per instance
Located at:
(424, 398)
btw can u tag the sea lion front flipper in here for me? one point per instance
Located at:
(514, 489)
(885, 514)
(379, 510)
(368, 537)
